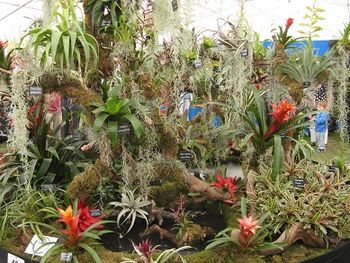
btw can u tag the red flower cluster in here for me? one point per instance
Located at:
(146, 249)
(78, 223)
(281, 113)
(227, 184)
(248, 227)
(289, 22)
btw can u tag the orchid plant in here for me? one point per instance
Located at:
(81, 230)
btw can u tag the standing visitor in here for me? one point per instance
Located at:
(321, 123)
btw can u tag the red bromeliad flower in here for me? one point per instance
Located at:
(248, 227)
(72, 231)
(85, 218)
(227, 184)
(289, 22)
(281, 113)
(146, 249)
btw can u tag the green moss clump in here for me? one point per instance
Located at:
(84, 183)
(168, 192)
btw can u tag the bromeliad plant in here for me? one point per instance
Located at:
(227, 185)
(282, 37)
(250, 237)
(64, 42)
(81, 231)
(132, 206)
(264, 132)
(145, 252)
(116, 111)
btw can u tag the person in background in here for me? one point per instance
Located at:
(54, 111)
(321, 123)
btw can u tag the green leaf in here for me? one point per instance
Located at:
(136, 125)
(99, 121)
(113, 105)
(91, 252)
(278, 158)
(112, 131)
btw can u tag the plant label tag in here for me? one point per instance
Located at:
(174, 5)
(106, 22)
(66, 256)
(185, 156)
(14, 259)
(197, 63)
(35, 91)
(332, 169)
(96, 213)
(124, 129)
(38, 247)
(244, 53)
(306, 84)
(299, 182)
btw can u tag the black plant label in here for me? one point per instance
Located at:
(35, 91)
(244, 53)
(306, 84)
(175, 5)
(96, 213)
(124, 129)
(185, 156)
(299, 182)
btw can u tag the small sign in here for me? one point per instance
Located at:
(35, 91)
(174, 5)
(106, 22)
(66, 256)
(185, 155)
(244, 53)
(96, 213)
(124, 129)
(332, 169)
(48, 187)
(38, 247)
(197, 63)
(306, 84)
(14, 259)
(299, 182)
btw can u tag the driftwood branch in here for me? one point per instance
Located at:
(208, 192)
(163, 233)
(294, 233)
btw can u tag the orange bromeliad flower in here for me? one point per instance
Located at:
(66, 215)
(281, 113)
(72, 228)
(248, 227)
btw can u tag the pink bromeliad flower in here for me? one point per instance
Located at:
(248, 227)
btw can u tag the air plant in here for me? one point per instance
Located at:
(132, 206)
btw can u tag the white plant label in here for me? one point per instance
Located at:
(14, 259)
(37, 247)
